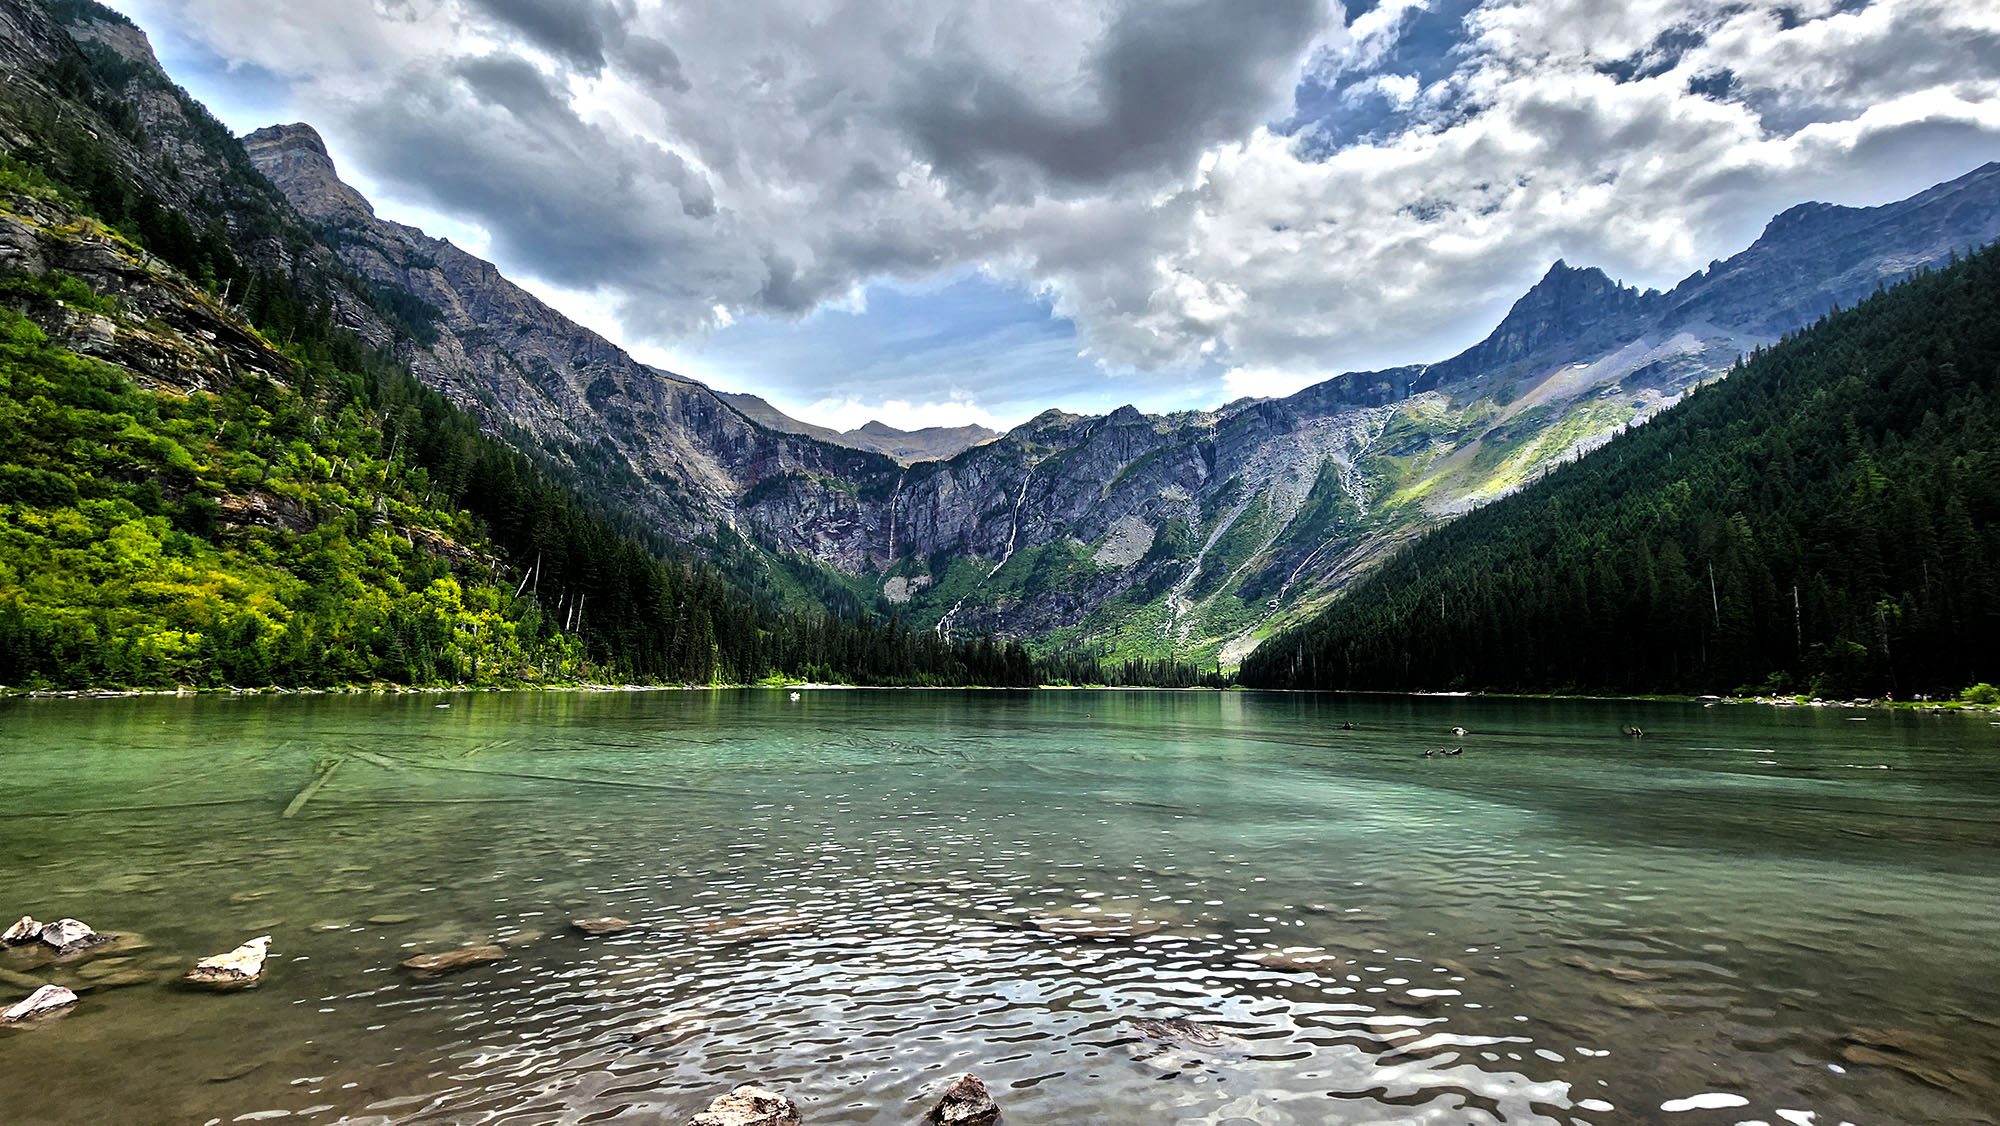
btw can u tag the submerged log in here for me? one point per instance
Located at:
(966, 1103)
(749, 1106)
(325, 775)
(238, 969)
(45, 1000)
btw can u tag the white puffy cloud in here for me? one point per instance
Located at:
(850, 413)
(688, 164)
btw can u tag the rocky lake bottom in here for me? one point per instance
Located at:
(1111, 906)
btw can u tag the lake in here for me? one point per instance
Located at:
(1750, 914)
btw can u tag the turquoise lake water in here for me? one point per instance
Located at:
(1749, 915)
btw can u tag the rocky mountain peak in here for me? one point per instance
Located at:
(294, 157)
(1802, 218)
(1569, 304)
(96, 24)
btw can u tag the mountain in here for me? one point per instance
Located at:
(932, 443)
(1823, 521)
(656, 444)
(214, 470)
(1192, 535)
(1200, 533)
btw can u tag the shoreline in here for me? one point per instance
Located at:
(7, 693)
(386, 690)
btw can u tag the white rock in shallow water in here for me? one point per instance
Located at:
(241, 966)
(68, 935)
(749, 1106)
(21, 933)
(47, 999)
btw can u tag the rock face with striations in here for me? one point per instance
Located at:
(686, 457)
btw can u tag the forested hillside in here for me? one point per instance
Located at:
(1823, 521)
(209, 476)
(312, 516)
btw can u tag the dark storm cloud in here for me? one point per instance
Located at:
(516, 86)
(492, 138)
(685, 162)
(583, 32)
(1167, 80)
(654, 63)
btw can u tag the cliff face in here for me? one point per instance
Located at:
(683, 456)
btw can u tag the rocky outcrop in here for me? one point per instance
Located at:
(164, 331)
(749, 1106)
(687, 458)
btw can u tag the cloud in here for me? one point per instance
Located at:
(1208, 189)
(849, 413)
(577, 30)
(1267, 383)
(1164, 81)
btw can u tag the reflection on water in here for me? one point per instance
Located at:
(1747, 915)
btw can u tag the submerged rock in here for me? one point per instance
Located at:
(17, 980)
(452, 961)
(749, 1106)
(238, 969)
(1078, 923)
(604, 924)
(965, 1103)
(119, 979)
(45, 1000)
(1190, 1034)
(750, 928)
(1293, 960)
(1931, 1060)
(21, 933)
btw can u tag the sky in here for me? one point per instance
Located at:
(937, 212)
